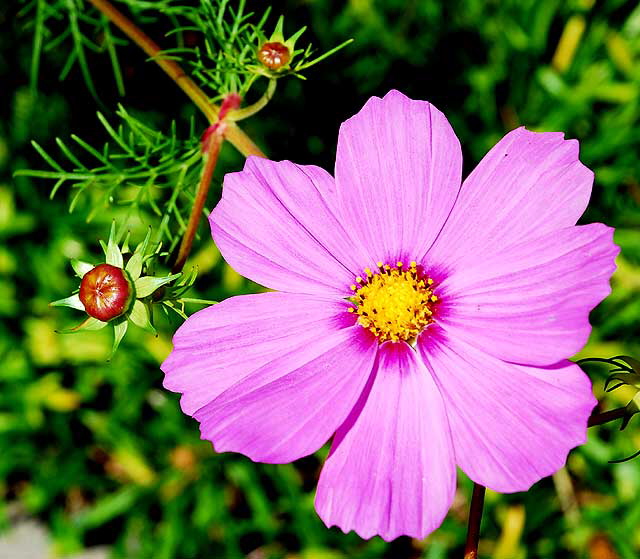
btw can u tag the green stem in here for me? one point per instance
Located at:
(245, 112)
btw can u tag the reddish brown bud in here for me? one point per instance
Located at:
(106, 292)
(274, 55)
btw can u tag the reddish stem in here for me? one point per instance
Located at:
(475, 519)
(213, 145)
(606, 417)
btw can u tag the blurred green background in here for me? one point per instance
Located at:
(101, 454)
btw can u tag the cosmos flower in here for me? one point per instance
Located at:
(422, 323)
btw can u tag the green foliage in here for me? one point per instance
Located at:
(99, 451)
(64, 25)
(138, 168)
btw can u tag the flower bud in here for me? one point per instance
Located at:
(106, 292)
(274, 55)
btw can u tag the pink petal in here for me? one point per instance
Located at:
(222, 344)
(292, 405)
(398, 172)
(527, 185)
(275, 225)
(511, 425)
(391, 469)
(530, 303)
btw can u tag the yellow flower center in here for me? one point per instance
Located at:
(395, 303)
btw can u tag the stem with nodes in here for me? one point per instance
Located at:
(477, 499)
(234, 134)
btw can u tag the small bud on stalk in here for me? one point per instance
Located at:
(106, 292)
(277, 57)
(274, 55)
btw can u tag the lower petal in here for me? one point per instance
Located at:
(290, 407)
(222, 344)
(391, 469)
(511, 425)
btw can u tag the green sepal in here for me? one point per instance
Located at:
(290, 43)
(633, 363)
(124, 249)
(73, 301)
(89, 324)
(198, 301)
(146, 285)
(81, 268)
(277, 35)
(119, 330)
(140, 316)
(178, 289)
(626, 378)
(113, 255)
(626, 371)
(134, 266)
(632, 408)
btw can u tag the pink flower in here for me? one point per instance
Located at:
(423, 324)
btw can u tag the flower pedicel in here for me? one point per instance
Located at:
(421, 322)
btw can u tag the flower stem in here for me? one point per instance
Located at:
(245, 112)
(210, 159)
(234, 134)
(606, 417)
(475, 518)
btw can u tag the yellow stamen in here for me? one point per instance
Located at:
(395, 304)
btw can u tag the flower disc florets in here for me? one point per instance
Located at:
(394, 303)
(106, 292)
